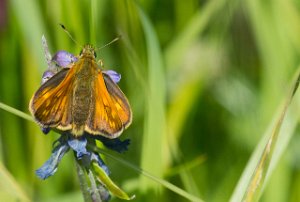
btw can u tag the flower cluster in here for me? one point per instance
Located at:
(86, 157)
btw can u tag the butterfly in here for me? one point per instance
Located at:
(82, 98)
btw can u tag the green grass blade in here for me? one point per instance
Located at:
(183, 40)
(266, 154)
(97, 34)
(93, 21)
(16, 112)
(155, 131)
(31, 25)
(10, 190)
(156, 179)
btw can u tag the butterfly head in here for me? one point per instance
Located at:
(88, 51)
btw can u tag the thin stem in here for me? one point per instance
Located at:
(15, 111)
(83, 182)
(91, 190)
(95, 195)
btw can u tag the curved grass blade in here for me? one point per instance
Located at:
(16, 112)
(9, 188)
(254, 185)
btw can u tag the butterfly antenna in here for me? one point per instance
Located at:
(68, 33)
(112, 41)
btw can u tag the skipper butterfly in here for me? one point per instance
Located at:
(82, 98)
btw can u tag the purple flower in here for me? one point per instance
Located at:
(45, 130)
(86, 155)
(63, 58)
(47, 75)
(116, 77)
(79, 146)
(50, 167)
(114, 144)
(88, 158)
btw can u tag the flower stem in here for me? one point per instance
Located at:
(92, 190)
(95, 195)
(83, 182)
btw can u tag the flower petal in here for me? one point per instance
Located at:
(116, 77)
(47, 75)
(114, 144)
(45, 130)
(104, 194)
(64, 58)
(78, 145)
(50, 166)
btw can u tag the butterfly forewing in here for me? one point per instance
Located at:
(50, 104)
(106, 117)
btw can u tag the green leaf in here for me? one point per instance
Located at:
(155, 120)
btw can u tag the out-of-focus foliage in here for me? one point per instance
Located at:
(205, 79)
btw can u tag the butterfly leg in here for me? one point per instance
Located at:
(100, 63)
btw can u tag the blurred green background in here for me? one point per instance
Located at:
(205, 80)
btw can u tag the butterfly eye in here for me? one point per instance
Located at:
(80, 52)
(95, 54)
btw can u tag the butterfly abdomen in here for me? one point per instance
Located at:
(82, 95)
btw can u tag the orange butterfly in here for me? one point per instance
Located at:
(82, 98)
